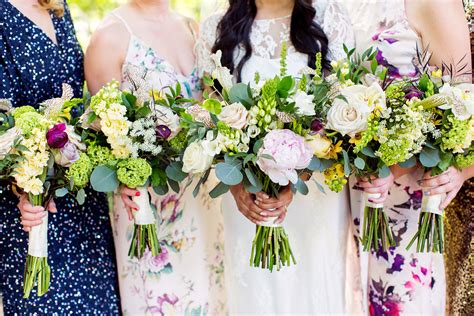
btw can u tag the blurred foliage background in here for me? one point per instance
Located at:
(87, 14)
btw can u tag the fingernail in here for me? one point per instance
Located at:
(257, 202)
(426, 193)
(136, 209)
(137, 194)
(266, 196)
(264, 214)
(371, 201)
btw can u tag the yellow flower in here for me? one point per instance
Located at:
(320, 145)
(335, 150)
(356, 139)
(438, 74)
(156, 94)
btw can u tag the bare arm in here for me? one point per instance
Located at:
(443, 28)
(105, 55)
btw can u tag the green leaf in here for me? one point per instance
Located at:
(142, 112)
(257, 145)
(229, 174)
(218, 190)
(248, 158)
(319, 186)
(161, 189)
(446, 161)
(208, 81)
(241, 93)
(325, 164)
(251, 177)
(174, 171)
(158, 177)
(104, 179)
(285, 85)
(81, 196)
(423, 83)
(429, 157)
(359, 163)
(91, 118)
(213, 106)
(347, 166)
(174, 185)
(315, 164)
(369, 152)
(411, 162)
(252, 188)
(61, 192)
(384, 171)
(301, 187)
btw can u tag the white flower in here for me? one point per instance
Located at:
(67, 155)
(459, 98)
(253, 131)
(195, 159)
(303, 103)
(320, 145)
(166, 117)
(234, 115)
(347, 118)
(221, 74)
(75, 138)
(7, 139)
(369, 98)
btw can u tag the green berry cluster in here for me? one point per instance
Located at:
(335, 178)
(464, 161)
(368, 135)
(395, 92)
(179, 142)
(80, 171)
(99, 155)
(133, 172)
(454, 133)
(266, 106)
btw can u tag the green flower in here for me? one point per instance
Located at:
(464, 161)
(133, 172)
(109, 94)
(29, 121)
(99, 155)
(17, 112)
(80, 171)
(179, 142)
(395, 91)
(368, 135)
(454, 134)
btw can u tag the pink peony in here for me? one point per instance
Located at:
(290, 153)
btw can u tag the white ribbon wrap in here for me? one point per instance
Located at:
(144, 215)
(38, 239)
(431, 203)
(371, 196)
(270, 222)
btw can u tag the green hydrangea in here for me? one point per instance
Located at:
(29, 121)
(99, 155)
(133, 172)
(395, 151)
(179, 142)
(395, 91)
(80, 171)
(464, 161)
(368, 135)
(17, 112)
(454, 133)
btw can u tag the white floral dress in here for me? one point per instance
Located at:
(397, 282)
(318, 224)
(187, 277)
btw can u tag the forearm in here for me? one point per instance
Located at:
(468, 172)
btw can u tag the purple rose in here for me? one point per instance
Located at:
(57, 137)
(316, 126)
(413, 92)
(163, 132)
(67, 155)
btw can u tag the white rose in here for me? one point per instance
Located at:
(320, 145)
(234, 115)
(459, 98)
(347, 118)
(6, 141)
(368, 98)
(165, 116)
(303, 103)
(195, 159)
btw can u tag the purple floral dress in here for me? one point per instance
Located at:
(397, 282)
(187, 277)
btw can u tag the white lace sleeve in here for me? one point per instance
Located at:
(333, 17)
(207, 38)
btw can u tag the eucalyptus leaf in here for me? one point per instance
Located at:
(81, 196)
(218, 190)
(301, 187)
(369, 152)
(61, 192)
(251, 177)
(229, 174)
(319, 186)
(241, 93)
(104, 179)
(347, 166)
(174, 171)
(315, 164)
(384, 171)
(161, 189)
(174, 185)
(429, 157)
(411, 162)
(359, 163)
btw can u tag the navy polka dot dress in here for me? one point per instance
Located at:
(81, 253)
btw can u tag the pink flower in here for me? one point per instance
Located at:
(290, 153)
(57, 136)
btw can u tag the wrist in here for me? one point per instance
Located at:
(468, 173)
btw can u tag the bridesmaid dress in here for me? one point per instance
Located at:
(399, 281)
(81, 253)
(318, 224)
(187, 277)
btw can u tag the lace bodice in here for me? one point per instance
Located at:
(143, 70)
(389, 32)
(268, 35)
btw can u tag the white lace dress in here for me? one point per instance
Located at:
(318, 224)
(187, 277)
(398, 281)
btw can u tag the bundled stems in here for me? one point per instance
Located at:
(144, 236)
(376, 229)
(37, 268)
(270, 246)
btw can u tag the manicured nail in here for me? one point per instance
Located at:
(264, 214)
(257, 202)
(136, 209)
(371, 201)
(266, 196)
(137, 194)
(426, 193)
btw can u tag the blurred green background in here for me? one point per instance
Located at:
(87, 14)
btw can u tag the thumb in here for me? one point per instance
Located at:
(52, 206)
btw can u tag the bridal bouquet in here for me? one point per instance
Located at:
(42, 155)
(450, 110)
(254, 134)
(135, 143)
(369, 118)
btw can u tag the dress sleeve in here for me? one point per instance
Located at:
(335, 20)
(8, 76)
(207, 39)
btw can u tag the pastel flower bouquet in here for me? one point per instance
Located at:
(449, 109)
(135, 139)
(368, 117)
(254, 135)
(40, 154)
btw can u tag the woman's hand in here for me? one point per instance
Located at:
(126, 194)
(32, 216)
(260, 207)
(449, 182)
(376, 185)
